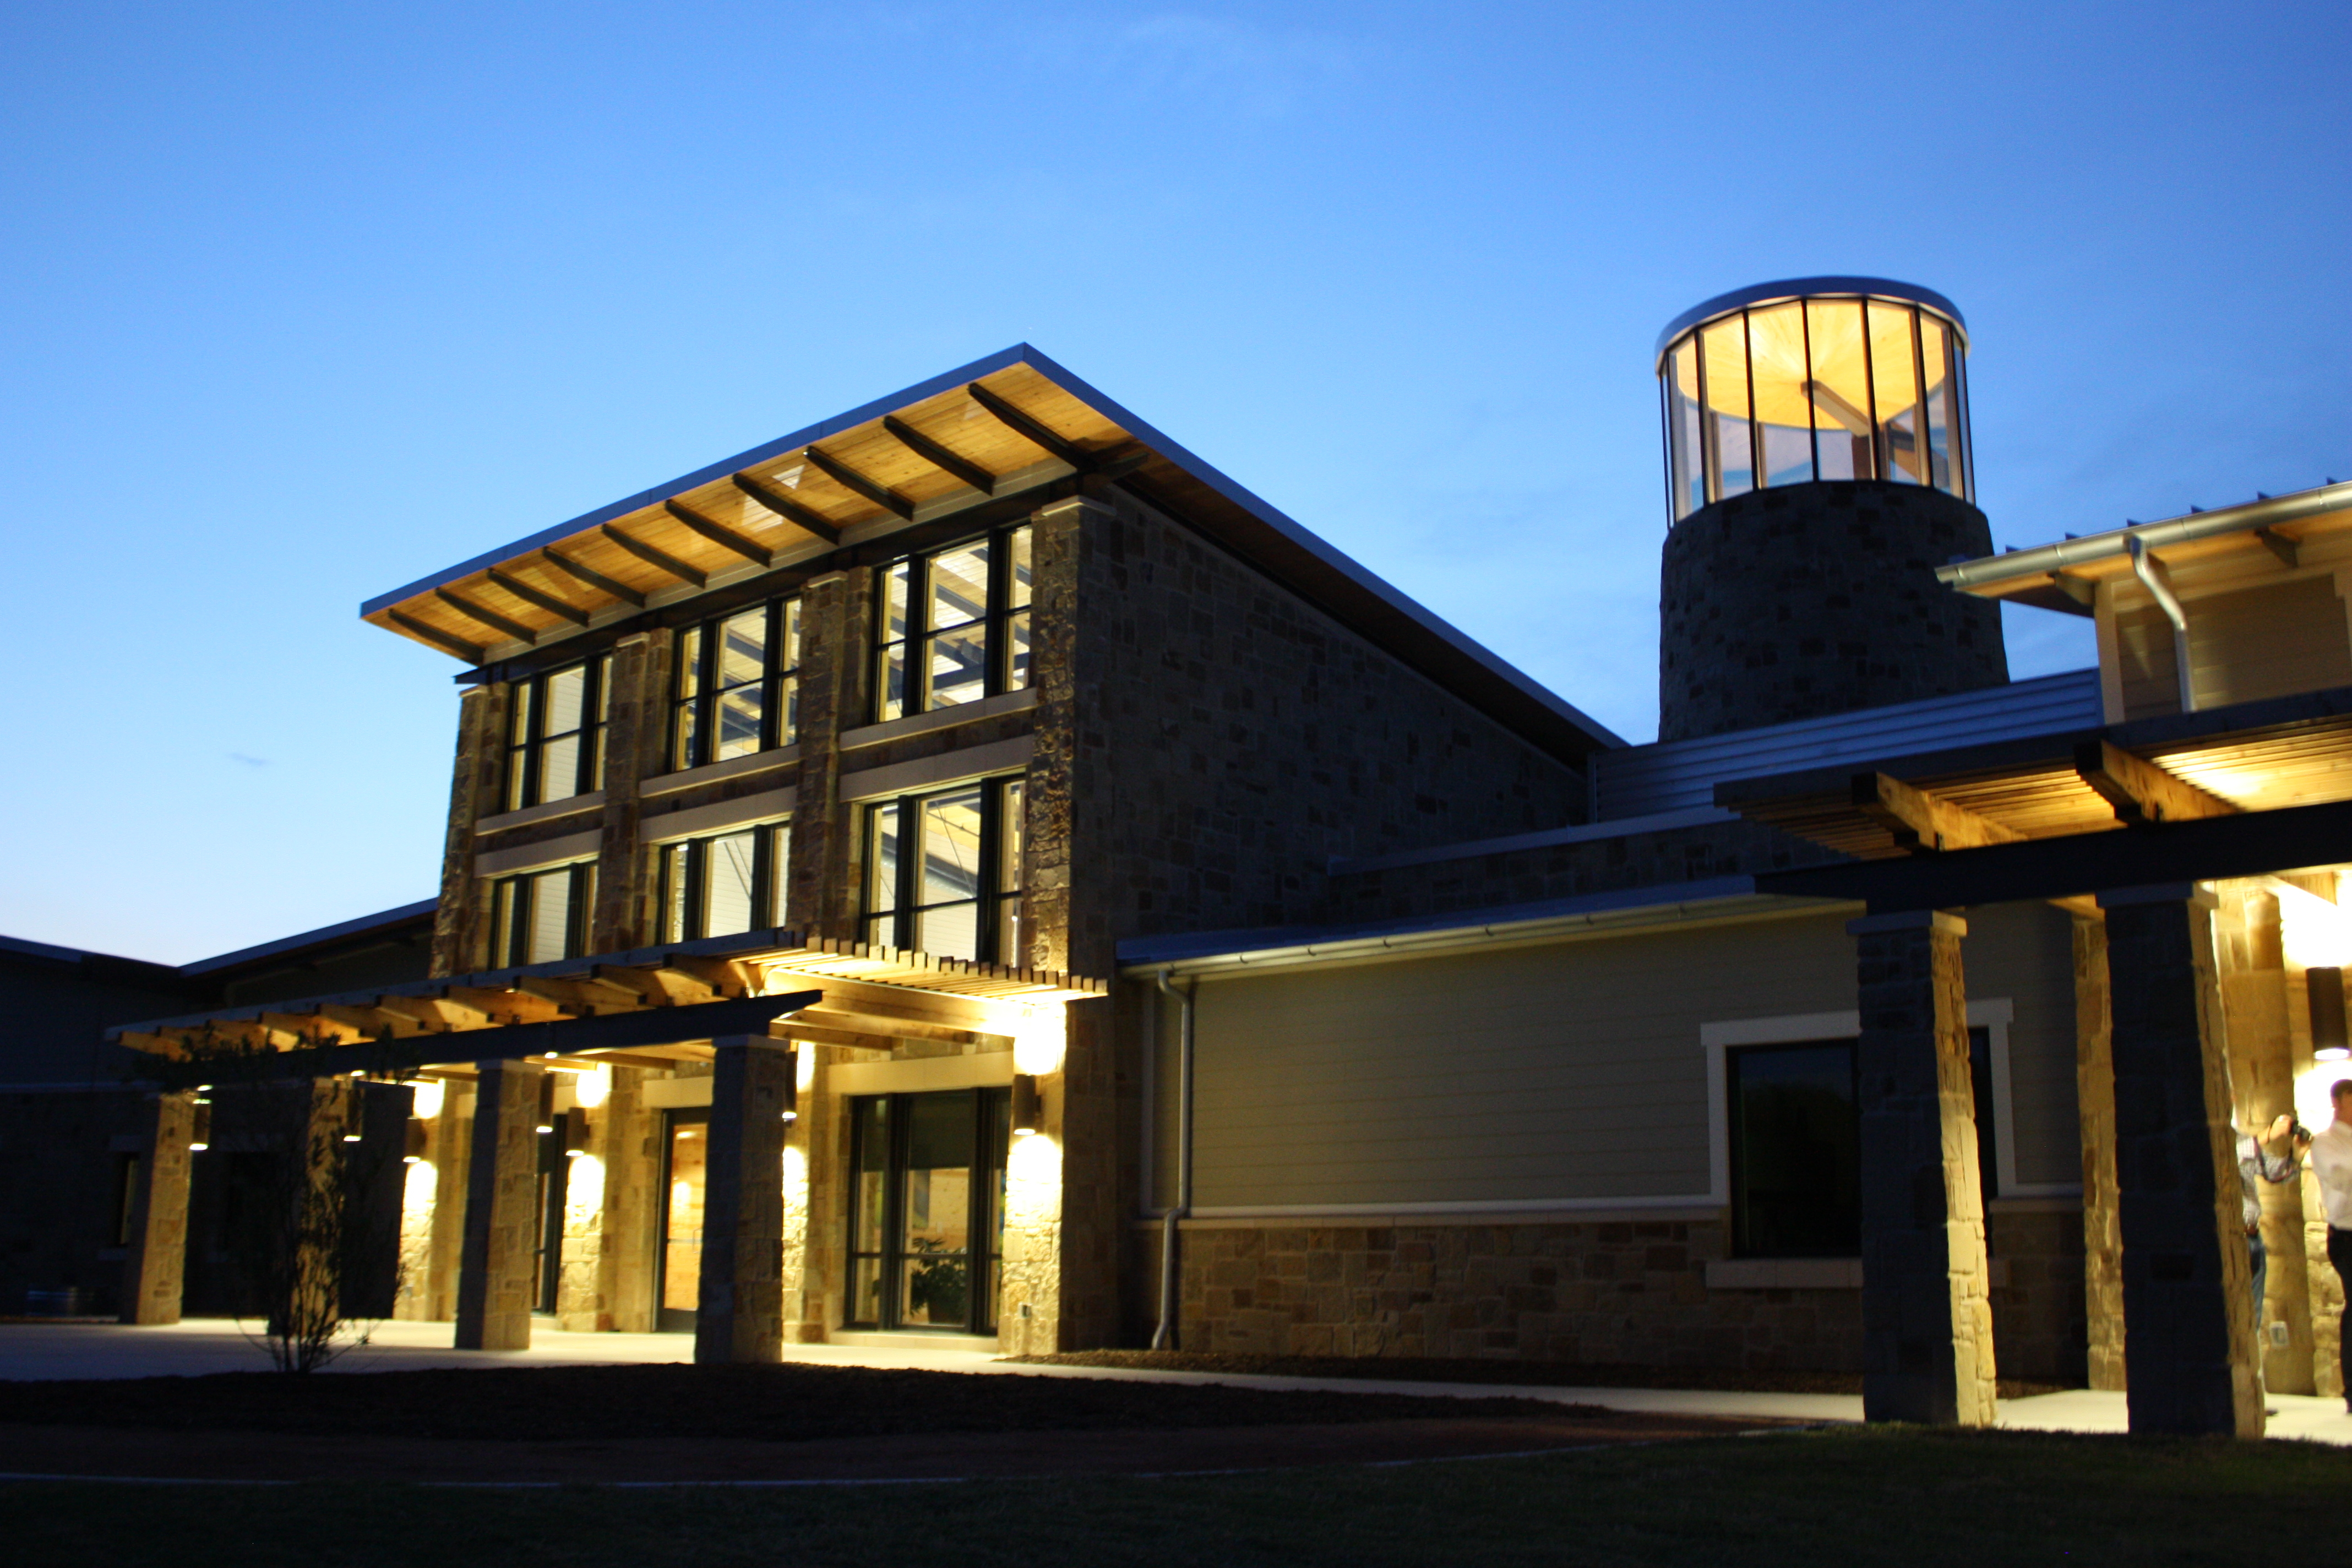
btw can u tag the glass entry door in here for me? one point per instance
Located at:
(927, 1227)
(686, 1160)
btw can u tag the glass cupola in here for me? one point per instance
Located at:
(1810, 379)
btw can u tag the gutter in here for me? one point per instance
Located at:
(2044, 560)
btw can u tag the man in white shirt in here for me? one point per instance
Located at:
(2331, 1161)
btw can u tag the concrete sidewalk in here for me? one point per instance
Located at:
(87, 1349)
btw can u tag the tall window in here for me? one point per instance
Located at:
(738, 686)
(953, 625)
(1796, 1150)
(927, 1230)
(541, 916)
(555, 739)
(727, 883)
(944, 872)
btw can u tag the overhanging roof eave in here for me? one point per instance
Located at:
(1990, 571)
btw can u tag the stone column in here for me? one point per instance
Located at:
(453, 1146)
(156, 1260)
(494, 1281)
(473, 794)
(739, 1313)
(2257, 1011)
(636, 747)
(2189, 1328)
(1927, 1351)
(822, 892)
(625, 1137)
(2095, 1097)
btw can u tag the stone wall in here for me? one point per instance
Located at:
(1819, 598)
(1628, 1292)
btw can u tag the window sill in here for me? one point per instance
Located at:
(547, 811)
(711, 773)
(1019, 702)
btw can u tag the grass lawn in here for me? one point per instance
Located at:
(1810, 1498)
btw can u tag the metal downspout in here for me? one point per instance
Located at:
(2158, 582)
(1164, 1337)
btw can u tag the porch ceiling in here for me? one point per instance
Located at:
(645, 998)
(2254, 757)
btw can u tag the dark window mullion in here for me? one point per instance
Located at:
(983, 914)
(992, 639)
(910, 869)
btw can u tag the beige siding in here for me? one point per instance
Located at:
(1561, 1073)
(2265, 641)
(2024, 952)
(1565, 1072)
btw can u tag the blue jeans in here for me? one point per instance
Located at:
(2262, 1259)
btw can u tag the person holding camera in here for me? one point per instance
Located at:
(2331, 1162)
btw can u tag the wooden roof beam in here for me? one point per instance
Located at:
(1921, 821)
(939, 457)
(593, 578)
(486, 615)
(2140, 792)
(2287, 550)
(783, 506)
(435, 1015)
(718, 533)
(583, 997)
(856, 1020)
(449, 642)
(531, 596)
(1031, 429)
(849, 478)
(660, 561)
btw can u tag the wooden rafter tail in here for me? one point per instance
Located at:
(531, 596)
(802, 517)
(850, 479)
(939, 455)
(487, 617)
(593, 578)
(1031, 429)
(659, 560)
(718, 533)
(448, 642)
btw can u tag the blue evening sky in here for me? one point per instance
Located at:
(303, 301)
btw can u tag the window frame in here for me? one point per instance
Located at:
(512, 900)
(1743, 1245)
(527, 741)
(691, 744)
(996, 619)
(999, 887)
(688, 859)
(984, 1267)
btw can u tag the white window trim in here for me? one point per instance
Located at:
(1993, 1015)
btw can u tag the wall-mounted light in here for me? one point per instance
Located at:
(428, 1098)
(2326, 989)
(792, 1112)
(575, 1133)
(412, 1149)
(200, 1128)
(546, 1102)
(1028, 1105)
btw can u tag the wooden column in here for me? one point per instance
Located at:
(740, 1310)
(156, 1261)
(2094, 1098)
(2189, 1327)
(1928, 1349)
(494, 1280)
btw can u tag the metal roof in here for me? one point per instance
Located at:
(1215, 504)
(405, 914)
(1681, 775)
(1810, 288)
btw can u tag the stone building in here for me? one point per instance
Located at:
(1121, 919)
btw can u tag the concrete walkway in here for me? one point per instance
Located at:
(79, 1350)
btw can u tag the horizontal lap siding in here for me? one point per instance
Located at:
(1566, 1073)
(2024, 952)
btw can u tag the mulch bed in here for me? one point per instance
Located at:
(787, 1403)
(1525, 1373)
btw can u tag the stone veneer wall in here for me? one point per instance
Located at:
(1819, 598)
(1628, 1292)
